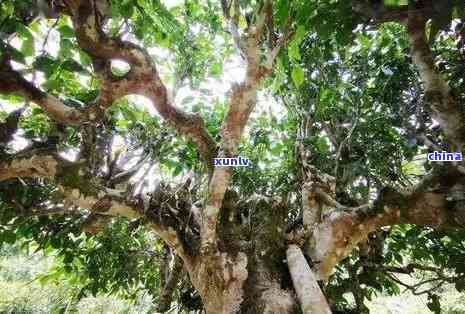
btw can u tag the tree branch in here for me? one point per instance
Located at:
(241, 103)
(75, 189)
(428, 204)
(305, 283)
(11, 82)
(30, 166)
(379, 13)
(438, 98)
(233, 23)
(166, 293)
(142, 79)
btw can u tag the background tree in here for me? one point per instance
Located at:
(339, 191)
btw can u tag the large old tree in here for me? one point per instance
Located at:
(113, 111)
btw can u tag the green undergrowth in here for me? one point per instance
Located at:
(21, 292)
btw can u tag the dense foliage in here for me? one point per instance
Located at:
(343, 91)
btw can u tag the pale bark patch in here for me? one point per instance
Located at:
(277, 301)
(234, 274)
(219, 278)
(273, 297)
(115, 208)
(35, 166)
(311, 298)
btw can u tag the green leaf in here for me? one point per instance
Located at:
(177, 170)
(277, 149)
(395, 2)
(283, 10)
(298, 76)
(322, 145)
(27, 47)
(84, 58)
(66, 31)
(8, 9)
(216, 69)
(15, 54)
(300, 33)
(122, 125)
(23, 31)
(66, 46)
(293, 52)
(52, 84)
(127, 9)
(73, 66)
(45, 64)
(9, 237)
(170, 164)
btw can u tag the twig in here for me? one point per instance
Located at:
(42, 50)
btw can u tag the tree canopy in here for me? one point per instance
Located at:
(112, 113)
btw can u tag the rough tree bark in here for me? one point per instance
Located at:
(231, 274)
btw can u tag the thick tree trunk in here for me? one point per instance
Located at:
(242, 283)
